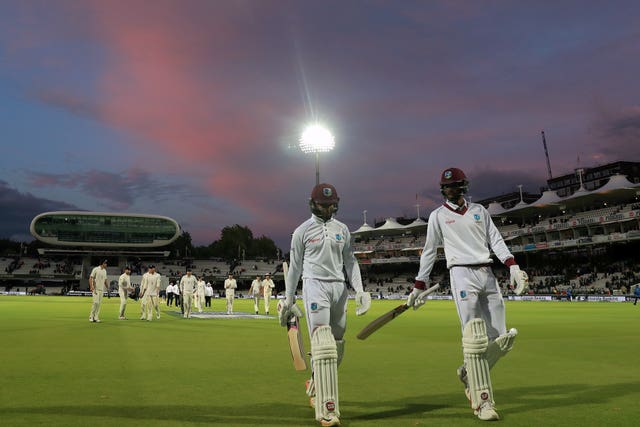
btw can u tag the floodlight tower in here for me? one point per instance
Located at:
(317, 139)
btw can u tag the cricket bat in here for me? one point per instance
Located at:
(295, 336)
(389, 316)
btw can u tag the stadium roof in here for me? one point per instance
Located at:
(104, 229)
(617, 188)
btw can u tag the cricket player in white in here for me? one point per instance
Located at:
(321, 253)
(150, 291)
(97, 286)
(200, 285)
(230, 287)
(124, 287)
(188, 284)
(255, 291)
(468, 234)
(267, 291)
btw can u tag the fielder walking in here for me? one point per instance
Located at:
(97, 286)
(267, 291)
(150, 291)
(187, 288)
(255, 290)
(230, 287)
(124, 287)
(199, 296)
(468, 234)
(321, 253)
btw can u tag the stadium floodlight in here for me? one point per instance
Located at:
(317, 139)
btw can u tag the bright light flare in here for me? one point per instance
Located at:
(316, 139)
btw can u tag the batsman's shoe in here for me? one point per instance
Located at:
(331, 421)
(311, 392)
(486, 412)
(462, 375)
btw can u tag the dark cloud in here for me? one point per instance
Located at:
(117, 191)
(18, 209)
(618, 132)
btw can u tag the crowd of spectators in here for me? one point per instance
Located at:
(15, 264)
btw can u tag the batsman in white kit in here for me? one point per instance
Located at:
(468, 234)
(321, 253)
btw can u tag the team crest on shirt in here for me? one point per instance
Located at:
(476, 217)
(338, 237)
(314, 306)
(463, 294)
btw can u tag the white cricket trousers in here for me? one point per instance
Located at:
(267, 300)
(256, 303)
(95, 306)
(477, 295)
(325, 303)
(152, 303)
(123, 302)
(186, 303)
(230, 297)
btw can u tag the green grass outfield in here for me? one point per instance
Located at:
(572, 364)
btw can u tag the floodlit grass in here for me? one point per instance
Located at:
(572, 364)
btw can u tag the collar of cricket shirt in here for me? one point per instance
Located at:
(459, 209)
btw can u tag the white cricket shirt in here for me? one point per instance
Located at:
(188, 284)
(467, 238)
(322, 250)
(150, 284)
(99, 275)
(124, 282)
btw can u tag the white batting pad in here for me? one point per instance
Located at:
(474, 345)
(325, 370)
(501, 346)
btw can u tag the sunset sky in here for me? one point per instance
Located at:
(193, 109)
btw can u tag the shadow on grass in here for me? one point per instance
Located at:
(517, 399)
(451, 407)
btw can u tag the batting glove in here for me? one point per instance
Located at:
(519, 280)
(414, 299)
(286, 310)
(363, 303)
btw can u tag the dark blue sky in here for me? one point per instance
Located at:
(193, 109)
